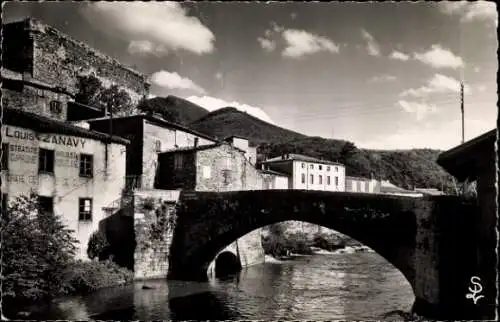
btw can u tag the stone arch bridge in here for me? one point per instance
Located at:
(424, 238)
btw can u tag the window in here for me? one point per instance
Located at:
(312, 179)
(303, 178)
(5, 156)
(207, 172)
(46, 161)
(178, 159)
(320, 178)
(85, 209)
(5, 202)
(86, 165)
(303, 165)
(336, 169)
(311, 166)
(320, 167)
(336, 181)
(328, 180)
(55, 107)
(226, 174)
(359, 186)
(327, 168)
(228, 163)
(45, 204)
(158, 146)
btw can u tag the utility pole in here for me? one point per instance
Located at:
(462, 109)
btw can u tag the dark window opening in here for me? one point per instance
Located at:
(85, 209)
(303, 178)
(5, 156)
(86, 165)
(158, 146)
(5, 202)
(45, 204)
(328, 180)
(55, 107)
(46, 161)
(178, 159)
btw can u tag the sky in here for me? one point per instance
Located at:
(384, 75)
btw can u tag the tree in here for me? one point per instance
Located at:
(98, 246)
(36, 247)
(92, 92)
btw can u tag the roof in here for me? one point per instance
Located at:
(199, 148)
(235, 136)
(461, 161)
(276, 173)
(357, 178)
(430, 191)
(387, 187)
(44, 124)
(300, 157)
(158, 120)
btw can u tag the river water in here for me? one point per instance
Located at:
(357, 286)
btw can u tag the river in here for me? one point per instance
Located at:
(359, 286)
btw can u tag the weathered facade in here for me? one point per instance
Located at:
(148, 135)
(47, 63)
(358, 184)
(74, 171)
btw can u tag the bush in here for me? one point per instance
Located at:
(329, 244)
(84, 277)
(36, 249)
(98, 246)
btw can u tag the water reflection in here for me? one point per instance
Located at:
(323, 287)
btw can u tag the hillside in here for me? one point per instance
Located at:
(174, 109)
(229, 121)
(405, 168)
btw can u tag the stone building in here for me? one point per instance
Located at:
(74, 171)
(149, 135)
(244, 144)
(41, 65)
(215, 167)
(309, 173)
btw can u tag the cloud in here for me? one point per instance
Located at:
(445, 136)
(267, 44)
(301, 42)
(421, 110)
(173, 80)
(382, 78)
(471, 11)
(399, 56)
(143, 47)
(152, 26)
(212, 104)
(439, 57)
(372, 46)
(437, 84)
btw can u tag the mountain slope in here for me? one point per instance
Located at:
(174, 109)
(229, 121)
(405, 168)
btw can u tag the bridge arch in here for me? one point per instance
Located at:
(209, 222)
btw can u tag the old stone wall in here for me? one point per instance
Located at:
(35, 100)
(224, 168)
(153, 237)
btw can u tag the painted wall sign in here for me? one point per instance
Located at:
(21, 178)
(44, 137)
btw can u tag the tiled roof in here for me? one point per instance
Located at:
(273, 172)
(300, 157)
(44, 124)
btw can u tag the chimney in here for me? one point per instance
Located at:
(195, 142)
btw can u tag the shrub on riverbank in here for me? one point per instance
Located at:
(84, 277)
(36, 249)
(277, 244)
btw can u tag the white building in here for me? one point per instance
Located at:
(308, 173)
(363, 185)
(75, 172)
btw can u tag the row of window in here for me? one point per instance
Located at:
(320, 179)
(46, 204)
(46, 161)
(320, 167)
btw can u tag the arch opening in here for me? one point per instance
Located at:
(227, 264)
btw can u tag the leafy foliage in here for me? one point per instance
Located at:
(93, 93)
(85, 277)
(98, 245)
(37, 248)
